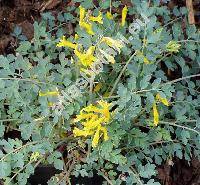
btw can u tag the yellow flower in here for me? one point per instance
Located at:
(83, 24)
(86, 59)
(65, 43)
(173, 46)
(97, 19)
(82, 14)
(113, 43)
(155, 114)
(124, 14)
(105, 110)
(96, 137)
(87, 27)
(163, 100)
(109, 15)
(94, 118)
(77, 132)
(50, 93)
(105, 133)
(155, 110)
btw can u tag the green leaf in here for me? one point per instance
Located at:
(24, 47)
(5, 169)
(2, 84)
(26, 130)
(83, 172)
(2, 129)
(185, 135)
(58, 164)
(152, 182)
(145, 82)
(147, 171)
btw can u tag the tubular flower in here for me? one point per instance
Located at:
(65, 43)
(113, 43)
(97, 19)
(82, 14)
(155, 114)
(88, 27)
(50, 93)
(83, 24)
(86, 59)
(163, 100)
(124, 14)
(109, 15)
(173, 46)
(155, 110)
(94, 118)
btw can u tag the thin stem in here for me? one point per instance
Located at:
(134, 172)
(7, 120)
(24, 168)
(17, 149)
(196, 41)
(57, 27)
(180, 126)
(26, 80)
(172, 21)
(122, 71)
(91, 89)
(180, 79)
(110, 6)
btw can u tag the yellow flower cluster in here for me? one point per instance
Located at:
(94, 118)
(85, 21)
(155, 110)
(87, 58)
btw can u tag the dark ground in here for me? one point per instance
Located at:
(23, 13)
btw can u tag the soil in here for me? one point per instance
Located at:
(23, 13)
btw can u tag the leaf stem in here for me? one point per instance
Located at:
(180, 126)
(120, 74)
